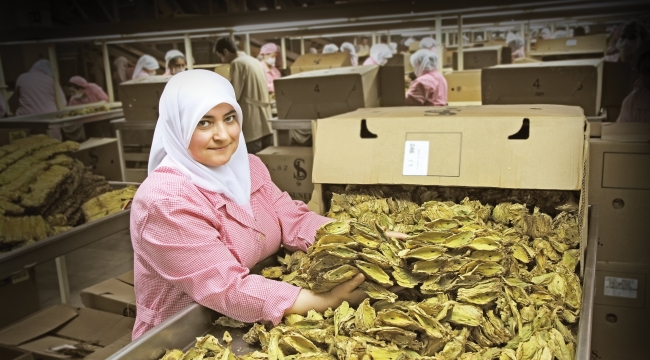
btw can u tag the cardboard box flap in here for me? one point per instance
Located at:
(532, 147)
(37, 324)
(148, 80)
(113, 288)
(321, 60)
(127, 278)
(483, 48)
(97, 326)
(583, 62)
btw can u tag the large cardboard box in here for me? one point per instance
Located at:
(617, 83)
(18, 297)
(140, 97)
(115, 295)
(291, 169)
(618, 183)
(580, 44)
(621, 317)
(102, 156)
(401, 59)
(12, 353)
(391, 86)
(311, 62)
(65, 325)
(463, 86)
(323, 93)
(483, 57)
(520, 147)
(570, 82)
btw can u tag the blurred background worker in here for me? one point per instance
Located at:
(313, 50)
(516, 44)
(430, 87)
(35, 90)
(393, 47)
(269, 53)
(349, 48)
(123, 70)
(636, 106)
(379, 55)
(330, 48)
(84, 92)
(175, 62)
(146, 66)
(249, 81)
(428, 43)
(545, 33)
(632, 35)
(363, 48)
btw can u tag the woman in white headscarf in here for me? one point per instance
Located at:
(174, 62)
(146, 66)
(349, 48)
(36, 90)
(330, 48)
(516, 44)
(123, 70)
(430, 87)
(428, 43)
(208, 212)
(379, 55)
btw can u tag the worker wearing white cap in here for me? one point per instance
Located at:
(146, 66)
(330, 48)
(516, 44)
(428, 43)
(269, 53)
(349, 48)
(430, 87)
(379, 55)
(174, 62)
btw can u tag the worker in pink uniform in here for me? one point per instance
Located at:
(208, 212)
(84, 92)
(35, 90)
(379, 55)
(146, 66)
(516, 44)
(175, 62)
(636, 106)
(123, 70)
(349, 48)
(269, 52)
(430, 87)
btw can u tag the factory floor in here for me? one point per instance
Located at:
(89, 265)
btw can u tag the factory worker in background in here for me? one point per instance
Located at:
(409, 41)
(330, 48)
(123, 70)
(428, 43)
(636, 106)
(252, 94)
(269, 53)
(146, 66)
(379, 55)
(84, 92)
(313, 50)
(393, 47)
(175, 62)
(479, 37)
(545, 34)
(364, 47)
(208, 212)
(633, 34)
(516, 45)
(579, 31)
(559, 34)
(349, 48)
(430, 87)
(35, 90)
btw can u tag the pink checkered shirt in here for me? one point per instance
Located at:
(192, 244)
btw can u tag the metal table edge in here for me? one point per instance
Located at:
(583, 350)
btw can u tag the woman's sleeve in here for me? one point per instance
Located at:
(298, 223)
(185, 249)
(415, 96)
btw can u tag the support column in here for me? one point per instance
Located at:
(552, 28)
(439, 49)
(460, 43)
(388, 37)
(3, 89)
(188, 52)
(54, 66)
(247, 45)
(62, 273)
(566, 30)
(302, 45)
(107, 73)
(284, 53)
(528, 37)
(373, 41)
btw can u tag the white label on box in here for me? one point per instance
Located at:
(572, 42)
(621, 287)
(416, 158)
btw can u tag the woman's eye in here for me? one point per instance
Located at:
(204, 123)
(231, 118)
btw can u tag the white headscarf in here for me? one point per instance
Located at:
(145, 62)
(409, 41)
(545, 33)
(172, 54)
(428, 43)
(121, 63)
(393, 47)
(515, 42)
(380, 53)
(43, 66)
(330, 48)
(349, 48)
(424, 61)
(187, 97)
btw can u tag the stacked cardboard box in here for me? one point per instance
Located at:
(18, 297)
(464, 86)
(63, 325)
(567, 47)
(311, 62)
(291, 169)
(115, 295)
(483, 57)
(140, 97)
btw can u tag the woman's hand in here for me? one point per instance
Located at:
(347, 291)
(396, 235)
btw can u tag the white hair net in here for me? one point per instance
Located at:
(349, 48)
(393, 47)
(330, 48)
(428, 43)
(145, 62)
(424, 61)
(409, 41)
(380, 53)
(514, 41)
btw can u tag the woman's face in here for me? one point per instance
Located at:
(150, 72)
(177, 65)
(216, 136)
